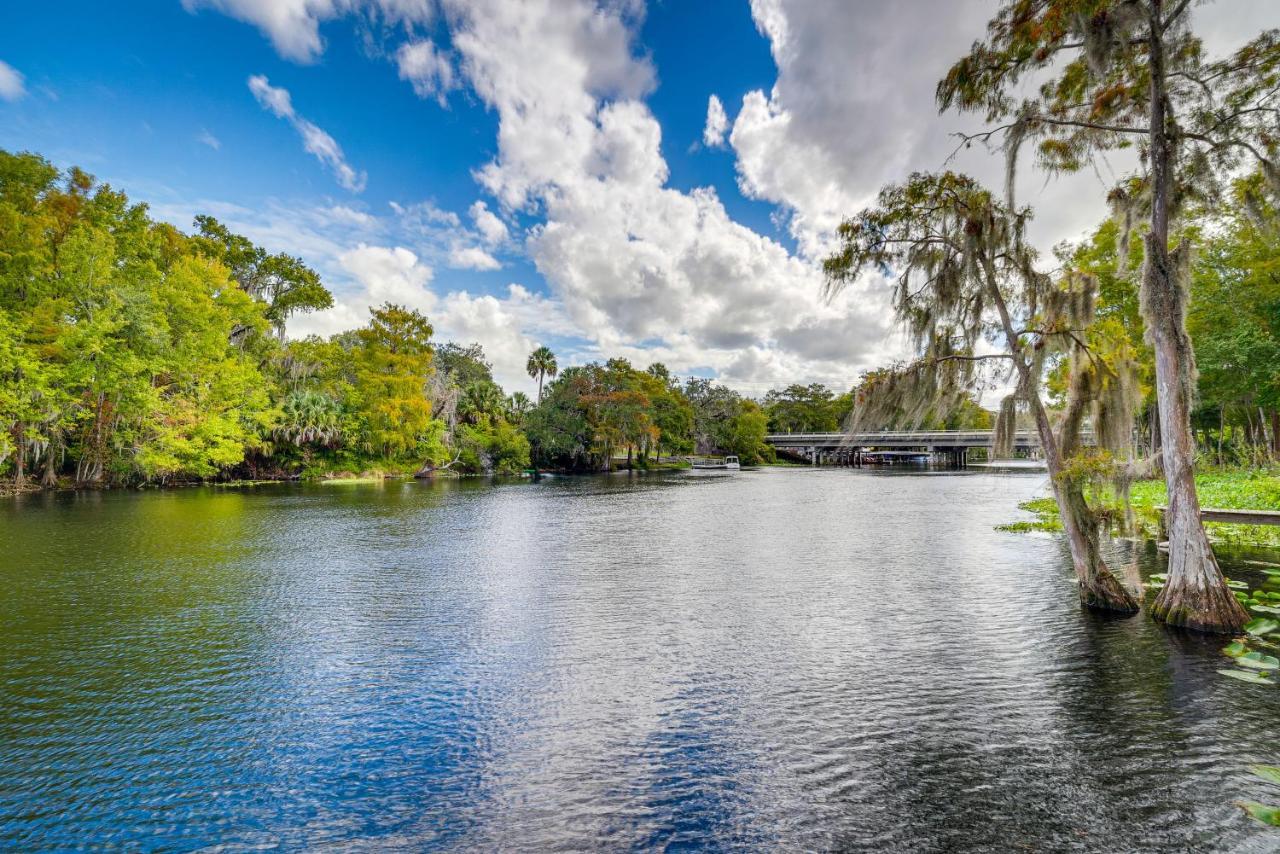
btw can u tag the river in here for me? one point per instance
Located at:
(774, 659)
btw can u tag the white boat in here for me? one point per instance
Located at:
(729, 463)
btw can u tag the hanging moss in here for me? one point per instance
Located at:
(1005, 429)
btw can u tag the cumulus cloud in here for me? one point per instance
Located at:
(640, 266)
(503, 326)
(472, 258)
(491, 228)
(314, 139)
(12, 83)
(636, 267)
(427, 69)
(717, 123)
(293, 26)
(820, 146)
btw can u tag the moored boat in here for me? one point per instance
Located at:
(729, 463)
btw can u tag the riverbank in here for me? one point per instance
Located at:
(339, 477)
(1227, 489)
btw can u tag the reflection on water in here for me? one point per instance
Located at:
(821, 659)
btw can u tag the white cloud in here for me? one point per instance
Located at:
(640, 267)
(391, 275)
(491, 228)
(293, 26)
(427, 69)
(504, 326)
(472, 258)
(717, 123)
(314, 139)
(206, 138)
(12, 83)
(853, 108)
(636, 267)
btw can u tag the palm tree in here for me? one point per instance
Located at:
(481, 400)
(542, 363)
(309, 417)
(517, 405)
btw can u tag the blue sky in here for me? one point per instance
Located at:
(527, 171)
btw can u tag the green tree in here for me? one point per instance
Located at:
(393, 365)
(482, 401)
(802, 409)
(714, 406)
(744, 435)
(1234, 319)
(1114, 74)
(518, 405)
(463, 365)
(283, 282)
(964, 276)
(541, 364)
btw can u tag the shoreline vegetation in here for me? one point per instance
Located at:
(1228, 488)
(134, 354)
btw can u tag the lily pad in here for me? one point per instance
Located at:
(1261, 812)
(1258, 661)
(1270, 773)
(1265, 609)
(1234, 649)
(1247, 676)
(1261, 626)
(1237, 585)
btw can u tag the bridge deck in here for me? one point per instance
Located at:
(940, 439)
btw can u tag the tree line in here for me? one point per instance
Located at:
(132, 352)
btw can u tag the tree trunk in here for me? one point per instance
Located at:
(50, 477)
(1099, 588)
(1196, 595)
(1222, 428)
(20, 455)
(1155, 429)
(1275, 432)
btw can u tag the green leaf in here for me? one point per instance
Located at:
(1259, 661)
(1234, 649)
(1265, 609)
(1261, 626)
(1261, 812)
(1247, 676)
(1237, 585)
(1270, 773)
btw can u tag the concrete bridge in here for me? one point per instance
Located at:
(950, 446)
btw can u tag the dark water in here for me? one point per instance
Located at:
(774, 660)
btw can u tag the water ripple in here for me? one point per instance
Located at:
(818, 660)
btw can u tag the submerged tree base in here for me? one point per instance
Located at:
(1106, 593)
(1212, 609)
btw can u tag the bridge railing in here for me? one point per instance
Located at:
(895, 436)
(915, 437)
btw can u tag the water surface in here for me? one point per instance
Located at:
(818, 659)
